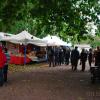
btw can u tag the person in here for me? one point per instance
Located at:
(97, 56)
(2, 63)
(83, 58)
(51, 56)
(90, 57)
(56, 56)
(74, 58)
(5, 69)
(67, 56)
(60, 56)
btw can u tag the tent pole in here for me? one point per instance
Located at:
(24, 54)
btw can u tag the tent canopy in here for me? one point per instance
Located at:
(55, 41)
(25, 38)
(1, 35)
(4, 35)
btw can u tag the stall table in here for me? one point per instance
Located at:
(18, 59)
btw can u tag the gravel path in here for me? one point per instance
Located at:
(54, 83)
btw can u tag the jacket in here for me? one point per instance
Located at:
(3, 58)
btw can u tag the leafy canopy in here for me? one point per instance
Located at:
(41, 17)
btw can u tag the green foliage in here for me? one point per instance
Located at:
(41, 17)
(94, 41)
(94, 44)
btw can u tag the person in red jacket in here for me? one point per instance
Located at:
(2, 63)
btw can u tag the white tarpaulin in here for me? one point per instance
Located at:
(50, 41)
(1, 35)
(25, 38)
(4, 35)
(54, 41)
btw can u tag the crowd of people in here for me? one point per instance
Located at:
(59, 55)
(56, 57)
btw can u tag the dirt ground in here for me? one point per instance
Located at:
(49, 83)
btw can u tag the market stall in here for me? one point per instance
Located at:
(14, 59)
(21, 47)
(33, 53)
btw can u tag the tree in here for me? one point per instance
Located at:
(42, 17)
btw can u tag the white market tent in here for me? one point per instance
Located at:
(25, 38)
(55, 41)
(4, 35)
(1, 35)
(81, 46)
(49, 40)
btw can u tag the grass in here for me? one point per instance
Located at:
(27, 67)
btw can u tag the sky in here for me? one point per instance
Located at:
(91, 27)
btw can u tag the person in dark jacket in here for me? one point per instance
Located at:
(67, 56)
(60, 56)
(90, 57)
(51, 56)
(97, 56)
(56, 56)
(83, 58)
(5, 69)
(74, 58)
